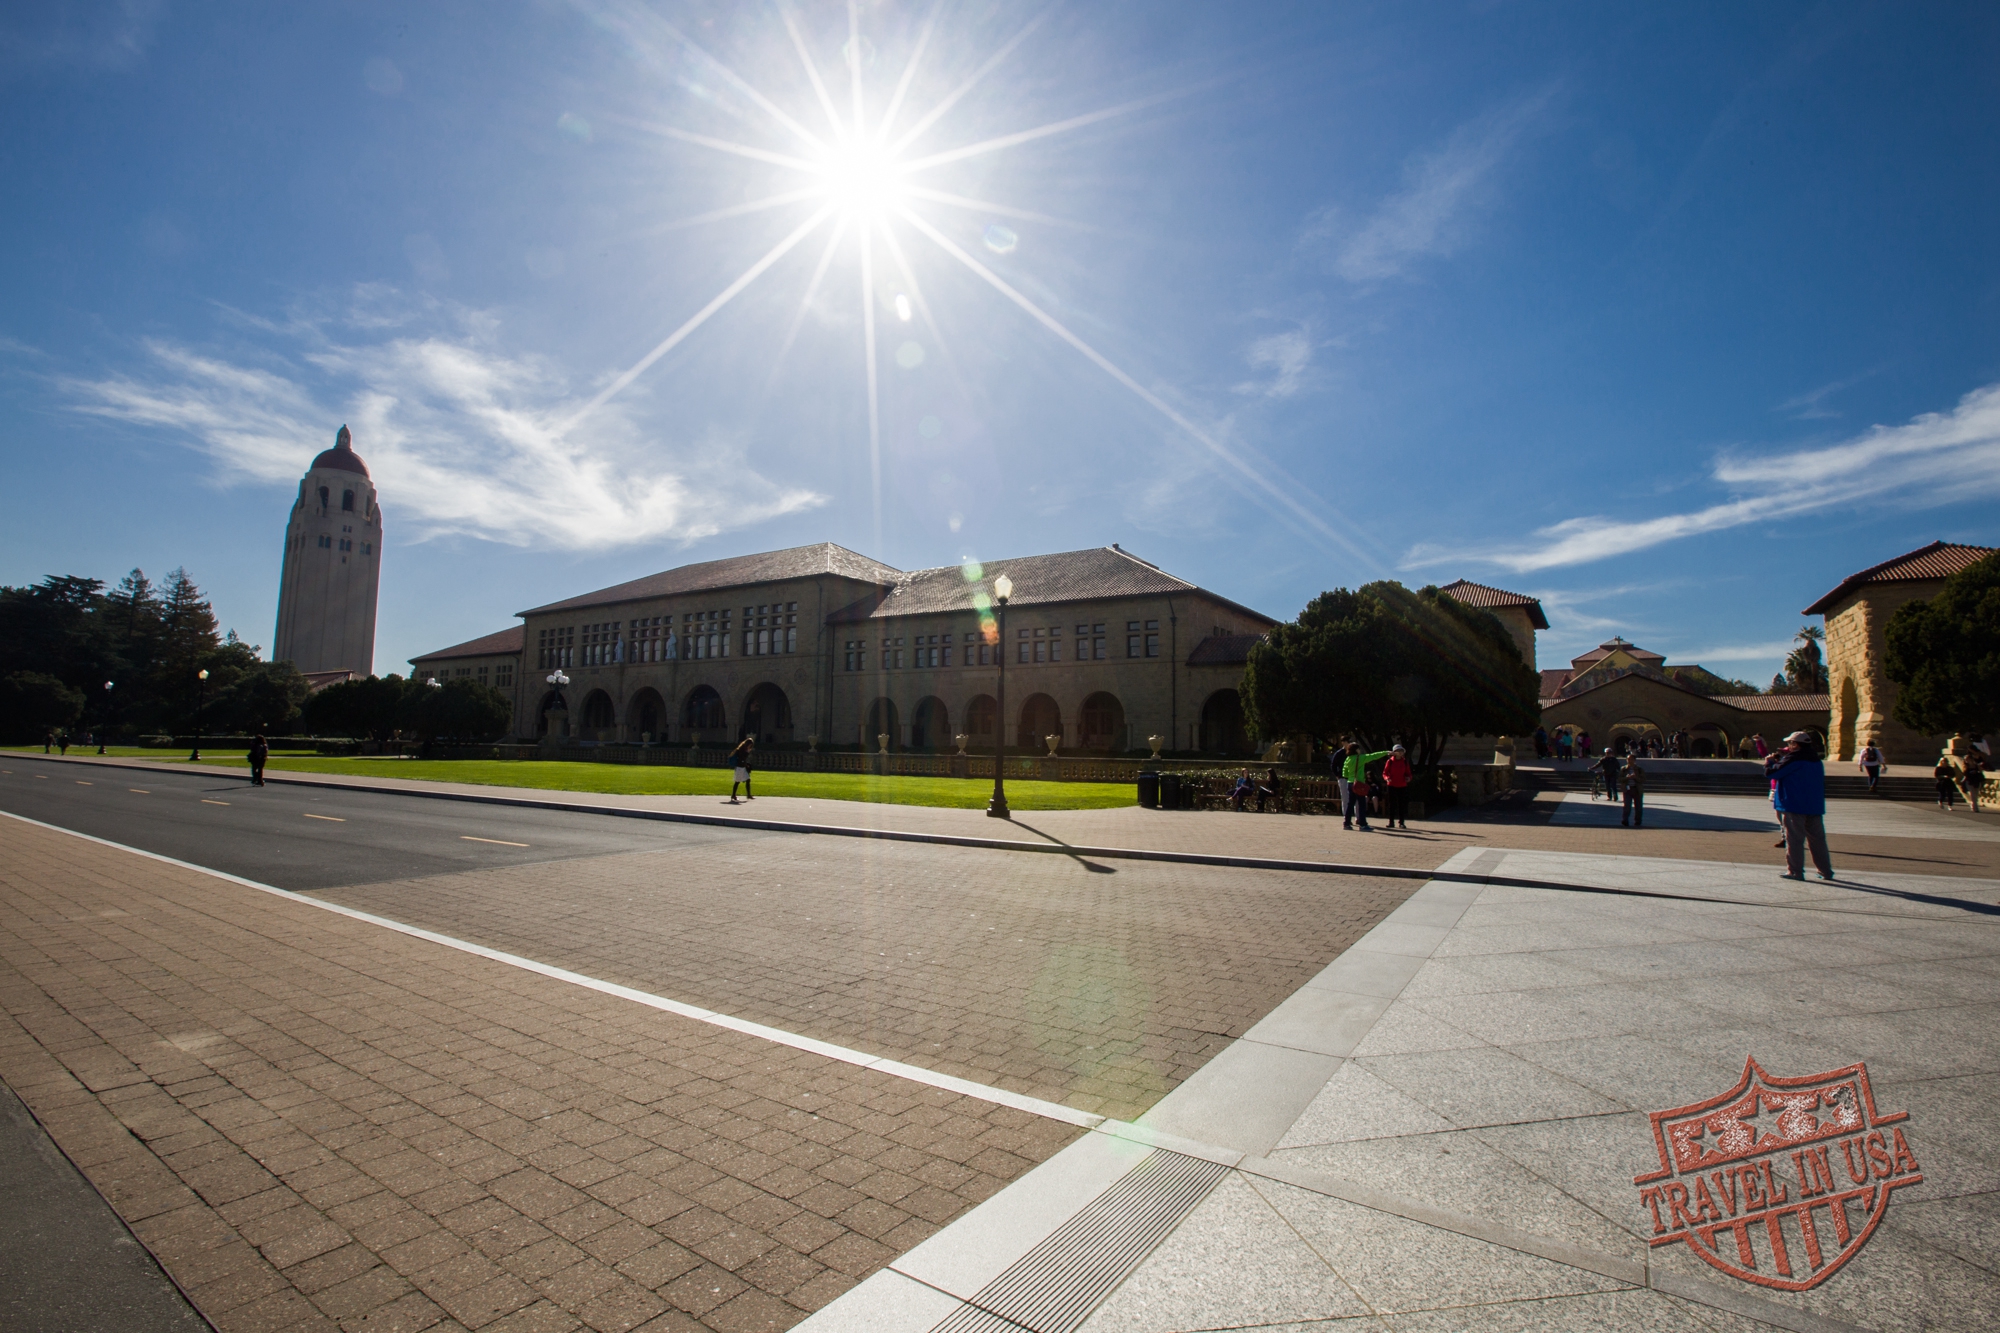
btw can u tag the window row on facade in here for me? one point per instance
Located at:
(978, 648)
(502, 674)
(769, 629)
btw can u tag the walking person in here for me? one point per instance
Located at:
(1870, 760)
(1635, 795)
(739, 759)
(260, 754)
(1541, 742)
(1396, 775)
(1355, 770)
(1338, 762)
(1973, 764)
(49, 741)
(1608, 767)
(1800, 794)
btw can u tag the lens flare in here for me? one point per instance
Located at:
(1001, 240)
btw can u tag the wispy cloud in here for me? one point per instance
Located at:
(1284, 358)
(1812, 404)
(1938, 458)
(1432, 213)
(102, 34)
(461, 436)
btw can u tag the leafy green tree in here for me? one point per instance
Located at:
(1382, 663)
(461, 709)
(1944, 654)
(263, 696)
(33, 703)
(370, 709)
(1703, 681)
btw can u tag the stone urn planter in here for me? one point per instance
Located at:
(882, 740)
(1156, 742)
(961, 738)
(812, 744)
(1052, 742)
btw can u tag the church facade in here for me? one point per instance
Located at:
(332, 571)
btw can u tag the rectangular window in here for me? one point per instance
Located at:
(1027, 653)
(1132, 642)
(791, 640)
(1152, 645)
(947, 654)
(503, 676)
(1096, 646)
(1055, 651)
(482, 675)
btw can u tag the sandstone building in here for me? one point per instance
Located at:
(332, 570)
(1620, 691)
(1857, 616)
(1104, 649)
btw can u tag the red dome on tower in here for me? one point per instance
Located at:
(342, 456)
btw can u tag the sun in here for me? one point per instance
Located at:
(862, 179)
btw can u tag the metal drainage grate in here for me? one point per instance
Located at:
(1054, 1287)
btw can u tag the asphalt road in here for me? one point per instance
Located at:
(308, 838)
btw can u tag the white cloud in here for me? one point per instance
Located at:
(460, 436)
(1431, 214)
(1938, 458)
(102, 34)
(1285, 356)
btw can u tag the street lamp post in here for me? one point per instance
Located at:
(1003, 588)
(557, 679)
(107, 717)
(200, 683)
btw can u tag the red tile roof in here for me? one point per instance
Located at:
(714, 575)
(1939, 560)
(1224, 650)
(1779, 703)
(1609, 646)
(1039, 581)
(1478, 594)
(508, 640)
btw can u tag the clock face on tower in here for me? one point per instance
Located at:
(331, 571)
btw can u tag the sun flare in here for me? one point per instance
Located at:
(863, 179)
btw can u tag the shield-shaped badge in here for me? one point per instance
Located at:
(1778, 1181)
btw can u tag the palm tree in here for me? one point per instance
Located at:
(1805, 668)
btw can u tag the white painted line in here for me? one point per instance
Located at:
(844, 1054)
(140, 790)
(81, 783)
(331, 819)
(204, 801)
(497, 842)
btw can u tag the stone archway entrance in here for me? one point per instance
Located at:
(1103, 723)
(930, 725)
(767, 715)
(1222, 727)
(600, 717)
(647, 717)
(982, 722)
(1040, 717)
(882, 721)
(702, 714)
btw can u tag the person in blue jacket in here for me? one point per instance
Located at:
(1799, 794)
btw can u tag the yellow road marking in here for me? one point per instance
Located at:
(206, 801)
(41, 777)
(141, 790)
(497, 842)
(81, 783)
(331, 819)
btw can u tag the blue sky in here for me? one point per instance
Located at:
(1671, 316)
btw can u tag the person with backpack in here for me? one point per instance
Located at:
(1396, 775)
(260, 754)
(1354, 769)
(739, 759)
(1870, 760)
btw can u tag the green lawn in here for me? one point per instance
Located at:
(668, 780)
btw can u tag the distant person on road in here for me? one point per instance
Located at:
(1583, 745)
(1799, 791)
(1354, 769)
(62, 741)
(1973, 764)
(49, 741)
(739, 759)
(260, 754)
(1635, 795)
(1396, 775)
(1870, 760)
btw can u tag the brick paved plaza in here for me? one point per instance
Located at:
(313, 1120)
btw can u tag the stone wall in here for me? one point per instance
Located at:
(1864, 698)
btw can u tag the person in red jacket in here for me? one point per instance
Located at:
(1396, 775)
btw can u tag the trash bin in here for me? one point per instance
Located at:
(1170, 791)
(1149, 791)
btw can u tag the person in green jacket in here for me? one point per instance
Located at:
(1354, 772)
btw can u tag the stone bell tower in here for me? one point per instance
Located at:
(332, 569)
